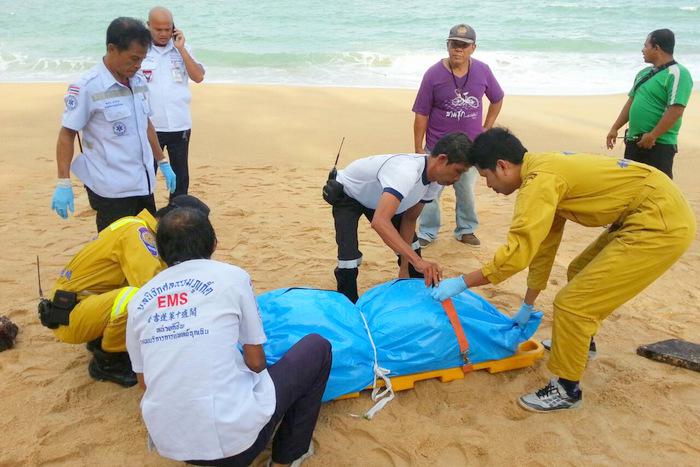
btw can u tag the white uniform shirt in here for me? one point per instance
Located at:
(117, 160)
(167, 78)
(201, 401)
(403, 175)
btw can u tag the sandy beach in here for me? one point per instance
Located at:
(259, 156)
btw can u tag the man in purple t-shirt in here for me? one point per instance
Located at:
(449, 100)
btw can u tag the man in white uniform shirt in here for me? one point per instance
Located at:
(206, 402)
(390, 190)
(168, 67)
(109, 104)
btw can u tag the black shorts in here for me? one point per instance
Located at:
(659, 156)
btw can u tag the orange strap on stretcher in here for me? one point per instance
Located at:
(459, 333)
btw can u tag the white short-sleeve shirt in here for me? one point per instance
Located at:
(168, 83)
(117, 160)
(201, 401)
(403, 175)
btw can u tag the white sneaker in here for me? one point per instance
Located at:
(550, 398)
(592, 351)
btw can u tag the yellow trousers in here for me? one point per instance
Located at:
(97, 316)
(657, 229)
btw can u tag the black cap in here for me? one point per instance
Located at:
(462, 33)
(184, 201)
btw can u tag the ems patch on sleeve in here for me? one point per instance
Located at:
(148, 240)
(71, 102)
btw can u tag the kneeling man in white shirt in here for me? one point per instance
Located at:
(206, 402)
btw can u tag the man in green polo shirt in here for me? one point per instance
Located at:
(655, 105)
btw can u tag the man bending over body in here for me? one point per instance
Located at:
(649, 226)
(390, 190)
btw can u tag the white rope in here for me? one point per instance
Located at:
(382, 396)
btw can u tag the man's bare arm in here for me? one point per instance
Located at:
(381, 223)
(407, 230)
(153, 141)
(420, 126)
(621, 120)
(64, 151)
(254, 357)
(492, 114)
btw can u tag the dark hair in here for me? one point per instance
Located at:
(495, 144)
(664, 38)
(184, 234)
(455, 146)
(123, 31)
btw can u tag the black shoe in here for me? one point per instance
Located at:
(94, 345)
(114, 367)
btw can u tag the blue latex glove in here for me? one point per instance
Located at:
(63, 198)
(170, 178)
(523, 315)
(448, 288)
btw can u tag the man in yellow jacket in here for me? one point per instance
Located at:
(649, 226)
(90, 297)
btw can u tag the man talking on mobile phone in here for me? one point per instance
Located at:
(168, 67)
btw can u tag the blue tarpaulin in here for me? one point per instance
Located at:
(411, 331)
(413, 334)
(290, 314)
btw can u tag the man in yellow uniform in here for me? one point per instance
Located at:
(650, 225)
(91, 295)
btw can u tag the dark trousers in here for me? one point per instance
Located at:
(659, 156)
(346, 215)
(110, 209)
(178, 145)
(300, 378)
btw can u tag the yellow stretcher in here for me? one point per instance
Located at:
(528, 353)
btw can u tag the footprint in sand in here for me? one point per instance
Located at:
(512, 411)
(37, 376)
(235, 213)
(388, 456)
(544, 441)
(17, 313)
(463, 454)
(85, 213)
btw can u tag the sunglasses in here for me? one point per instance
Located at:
(458, 44)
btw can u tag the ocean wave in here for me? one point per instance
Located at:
(518, 72)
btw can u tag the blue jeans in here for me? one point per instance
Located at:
(465, 210)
